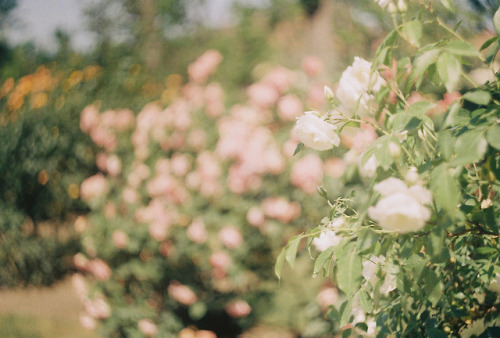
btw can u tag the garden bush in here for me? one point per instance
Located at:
(191, 205)
(417, 253)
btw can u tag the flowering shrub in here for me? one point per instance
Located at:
(418, 254)
(186, 221)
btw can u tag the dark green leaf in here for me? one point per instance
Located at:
(298, 148)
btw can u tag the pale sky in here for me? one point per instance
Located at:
(38, 19)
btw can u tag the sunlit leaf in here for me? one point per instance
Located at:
(449, 70)
(479, 97)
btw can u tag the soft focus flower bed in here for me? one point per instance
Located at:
(192, 203)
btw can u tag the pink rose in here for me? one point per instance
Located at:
(182, 293)
(230, 237)
(238, 309)
(147, 327)
(307, 173)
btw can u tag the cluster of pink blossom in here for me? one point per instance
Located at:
(163, 168)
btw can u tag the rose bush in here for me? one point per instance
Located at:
(418, 254)
(189, 207)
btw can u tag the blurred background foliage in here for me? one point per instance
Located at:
(44, 156)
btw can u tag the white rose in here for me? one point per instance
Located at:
(383, 3)
(401, 208)
(326, 240)
(357, 85)
(315, 132)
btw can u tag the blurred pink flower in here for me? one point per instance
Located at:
(130, 195)
(214, 100)
(262, 95)
(204, 66)
(159, 230)
(238, 309)
(80, 224)
(197, 139)
(147, 327)
(109, 210)
(326, 297)
(182, 293)
(80, 261)
(280, 209)
(290, 107)
(97, 308)
(79, 285)
(180, 164)
(89, 118)
(124, 118)
(316, 96)
(312, 65)
(87, 322)
(113, 165)
(103, 137)
(99, 268)
(335, 167)
(230, 236)
(197, 232)
(205, 334)
(94, 187)
(256, 217)
(220, 259)
(100, 160)
(307, 173)
(120, 239)
(279, 78)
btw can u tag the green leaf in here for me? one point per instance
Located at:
(433, 287)
(449, 70)
(449, 5)
(298, 148)
(493, 136)
(366, 301)
(462, 48)
(384, 47)
(470, 147)
(412, 31)
(492, 52)
(436, 333)
(436, 247)
(291, 250)
(345, 312)
(349, 269)
(496, 21)
(323, 258)
(445, 188)
(446, 144)
(489, 42)
(485, 250)
(367, 240)
(479, 97)
(421, 64)
(279, 263)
